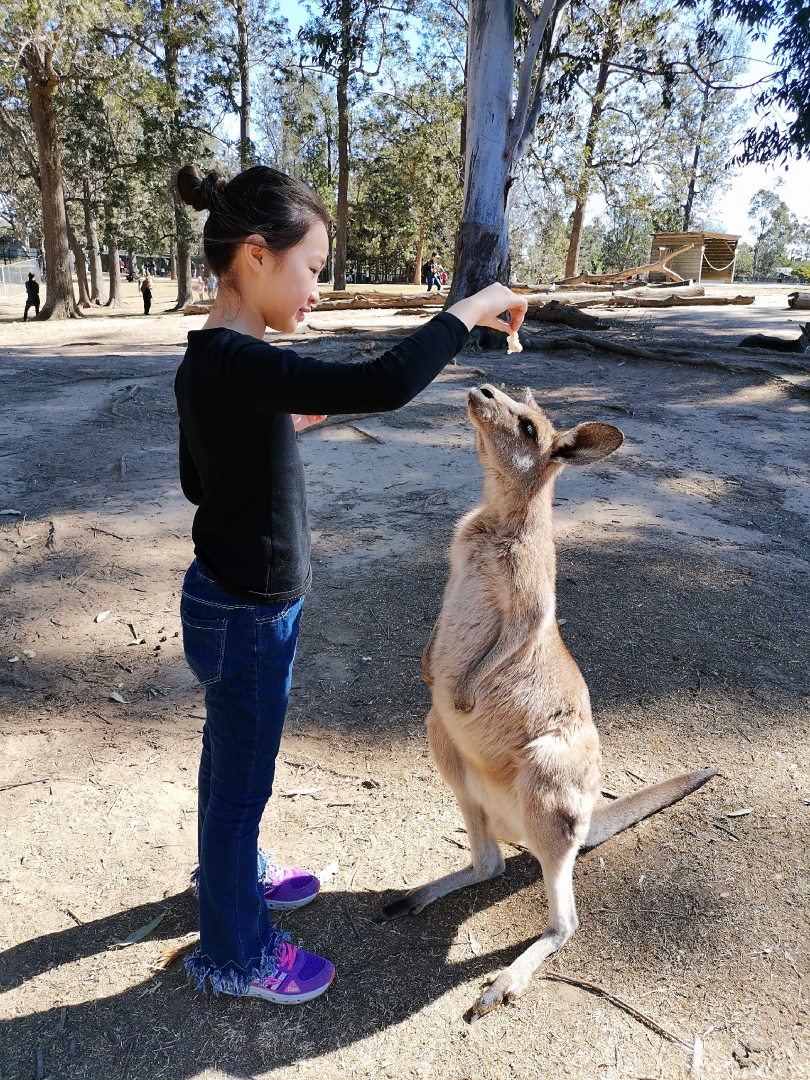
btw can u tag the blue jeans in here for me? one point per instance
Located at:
(242, 654)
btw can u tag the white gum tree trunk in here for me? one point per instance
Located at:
(501, 119)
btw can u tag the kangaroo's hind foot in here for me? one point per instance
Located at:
(510, 983)
(487, 863)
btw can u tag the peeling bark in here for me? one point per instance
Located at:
(498, 130)
(41, 82)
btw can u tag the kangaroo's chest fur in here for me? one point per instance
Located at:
(531, 719)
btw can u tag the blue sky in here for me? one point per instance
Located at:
(730, 209)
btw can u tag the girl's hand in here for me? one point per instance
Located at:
(300, 421)
(483, 309)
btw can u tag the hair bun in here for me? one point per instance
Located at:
(196, 189)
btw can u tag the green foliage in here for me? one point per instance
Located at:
(407, 173)
(777, 230)
(782, 104)
(297, 125)
(744, 266)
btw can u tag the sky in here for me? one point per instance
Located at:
(730, 209)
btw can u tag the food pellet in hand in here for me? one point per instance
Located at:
(513, 343)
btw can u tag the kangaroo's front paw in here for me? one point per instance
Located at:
(505, 986)
(427, 674)
(464, 700)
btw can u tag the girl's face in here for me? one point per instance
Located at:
(284, 289)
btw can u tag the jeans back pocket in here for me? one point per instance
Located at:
(204, 646)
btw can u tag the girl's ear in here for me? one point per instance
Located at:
(586, 443)
(255, 251)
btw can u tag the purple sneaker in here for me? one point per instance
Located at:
(287, 887)
(296, 976)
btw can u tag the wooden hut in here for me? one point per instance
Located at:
(711, 256)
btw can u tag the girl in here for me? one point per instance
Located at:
(240, 401)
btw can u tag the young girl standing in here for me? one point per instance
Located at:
(240, 402)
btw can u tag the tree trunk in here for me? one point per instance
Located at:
(183, 230)
(41, 81)
(185, 238)
(80, 262)
(420, 250)
(91, 229)
(342, 215)
(243, 60)
(172, 260)
(690, 194)
(113, 269)
(597, 107)
(482, 241)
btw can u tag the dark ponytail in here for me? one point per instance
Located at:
(260, 201)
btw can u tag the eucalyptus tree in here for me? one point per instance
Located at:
(44, 47)
(251, 39)
(706, 116)
(408, 168)
(296, 128)
(777, 229)
(504, 97)
(175, 40)
(618, 41)
(349, 41)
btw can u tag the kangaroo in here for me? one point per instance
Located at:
(800, 345)
(510, 725)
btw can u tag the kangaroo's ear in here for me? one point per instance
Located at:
(586, 443)
(528, 397)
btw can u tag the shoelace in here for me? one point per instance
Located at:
(273, 873)
(286, 955)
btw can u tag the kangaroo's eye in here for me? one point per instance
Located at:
(528, 429)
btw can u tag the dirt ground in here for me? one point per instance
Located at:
(683, 579)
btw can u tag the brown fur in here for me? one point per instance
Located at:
(510, 727)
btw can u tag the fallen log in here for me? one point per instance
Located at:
(371, 303)
(565, 314)
(677, 301)
(656, 292)
(799, 301)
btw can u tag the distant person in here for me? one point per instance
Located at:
(146, 293)
(211, 286)
(200, 288)
(31, 297)
(435, 269)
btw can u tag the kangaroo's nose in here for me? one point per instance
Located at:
(485, 390)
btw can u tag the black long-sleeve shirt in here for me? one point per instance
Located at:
(239, 460)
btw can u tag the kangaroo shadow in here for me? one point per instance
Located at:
(386, 973)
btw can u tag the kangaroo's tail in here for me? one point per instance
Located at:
(615, 817)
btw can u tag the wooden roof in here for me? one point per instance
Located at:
(692, 237)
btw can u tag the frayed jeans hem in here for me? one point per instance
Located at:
(203, 973)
